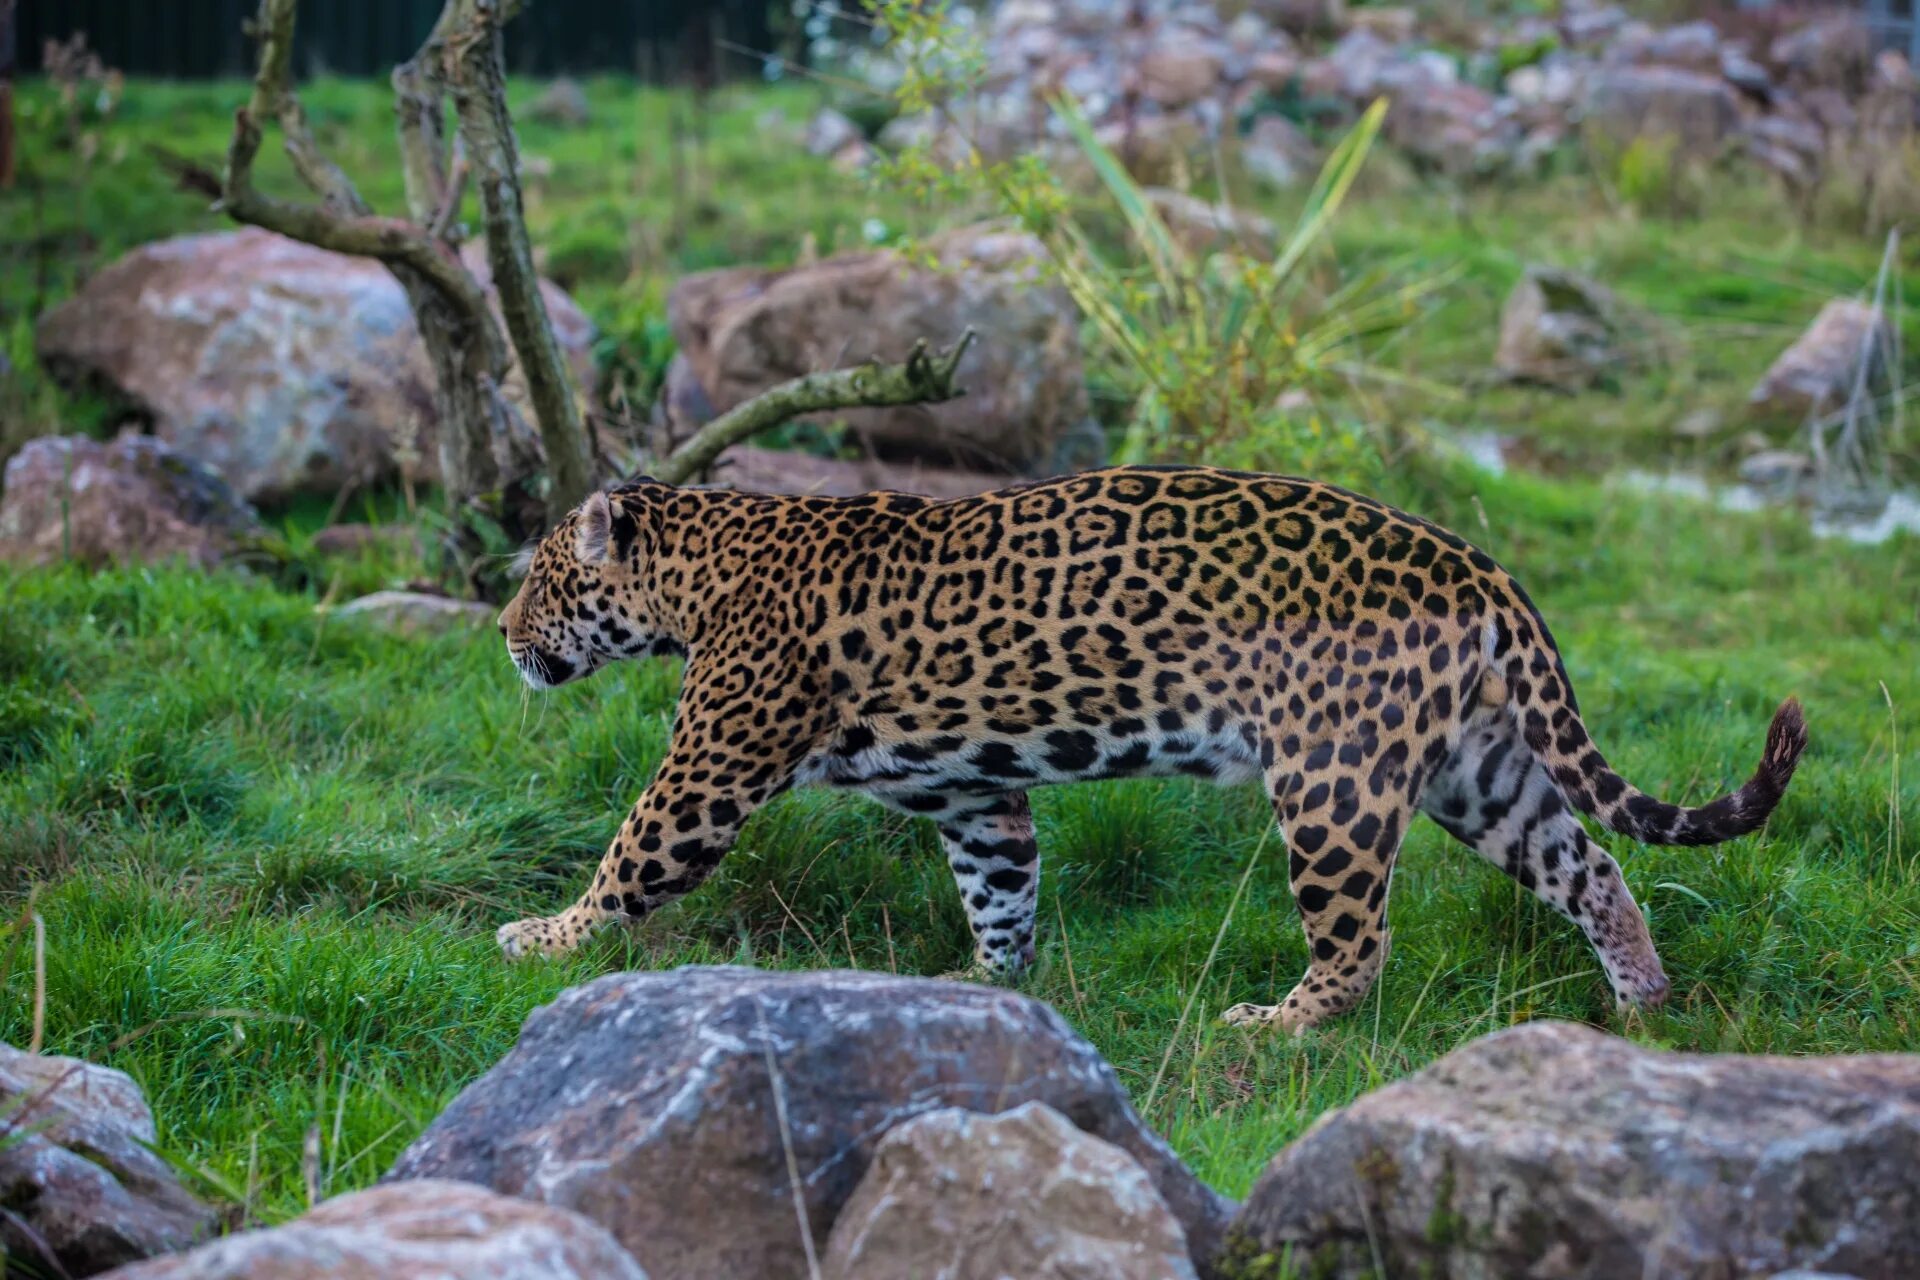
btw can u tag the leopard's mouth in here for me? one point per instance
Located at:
(541, 669)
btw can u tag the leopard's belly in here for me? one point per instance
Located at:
(918, 773)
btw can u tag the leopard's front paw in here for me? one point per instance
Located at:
(539, 936)
(1251, 1016)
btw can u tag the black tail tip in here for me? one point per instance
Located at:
(1786, 739)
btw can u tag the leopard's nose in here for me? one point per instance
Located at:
(501, 622)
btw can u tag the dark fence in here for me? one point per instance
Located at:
(663, 40)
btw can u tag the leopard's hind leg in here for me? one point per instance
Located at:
(996, 866)
(1494, 796)
(1342, 809)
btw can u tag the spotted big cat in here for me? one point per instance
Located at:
(946, 657)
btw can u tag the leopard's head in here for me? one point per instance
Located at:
(581, 604)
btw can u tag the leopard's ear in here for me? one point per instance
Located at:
(594, 529)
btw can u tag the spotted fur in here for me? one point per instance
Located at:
(947, 657)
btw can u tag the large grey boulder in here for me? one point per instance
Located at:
(284, 367)
(955, 1195)
(427, 1230)
(1559, 1152)
(744, 330)
(667, 1106)
(78, 1177)
(132, 500)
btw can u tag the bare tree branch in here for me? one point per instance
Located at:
(476, 73)
(924, 379)
(345, 224)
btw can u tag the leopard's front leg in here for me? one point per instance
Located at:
(712, 778)
(672, 840)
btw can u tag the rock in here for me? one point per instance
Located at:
(1278, 153)
(1392, 23)
(1559, 329)
(756, 470)
(1201, 227)
(134, 500)
(643, 1081)
(1832, 52)
(1746, 75)
(426, 1230)
(1273, 70)
(830, 133)
(562, 103)
(417, 613)
(1356, 64)
(1693, 46)
(284, 367)
(1249, 34)
(743, 330)
(965, 1196)
(1794, 149)
(1587, 24)
(1819, 371)
(1776, 468)
(1448, 125)
(1552, 1150)
(1696, 111)
(1177, 73)
(1303, 17)
(77, 1174)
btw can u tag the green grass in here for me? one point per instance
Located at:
(273, 848)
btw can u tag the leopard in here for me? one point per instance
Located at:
(947, 657)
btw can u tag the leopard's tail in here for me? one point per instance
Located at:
(1542, 699)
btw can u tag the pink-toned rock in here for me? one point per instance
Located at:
(1553, 1150)
(1698, 112)
(1180, 72)
(965, 1196)
(1278, 153)
(1303, 17)
(1559, 329)
(1693, 46)
(1392, 23)
(284, 367)
(639, 1081)
(426, 1230)
(1831, 52)
(133, 500)
(744, 330)
(1820, 369)
(78, 1177)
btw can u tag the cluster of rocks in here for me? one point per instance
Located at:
(259, 368)
(1562, 330)
(730, 1123)
(1162, 80)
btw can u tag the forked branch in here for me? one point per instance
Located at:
(925, 378)
(343, 221)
